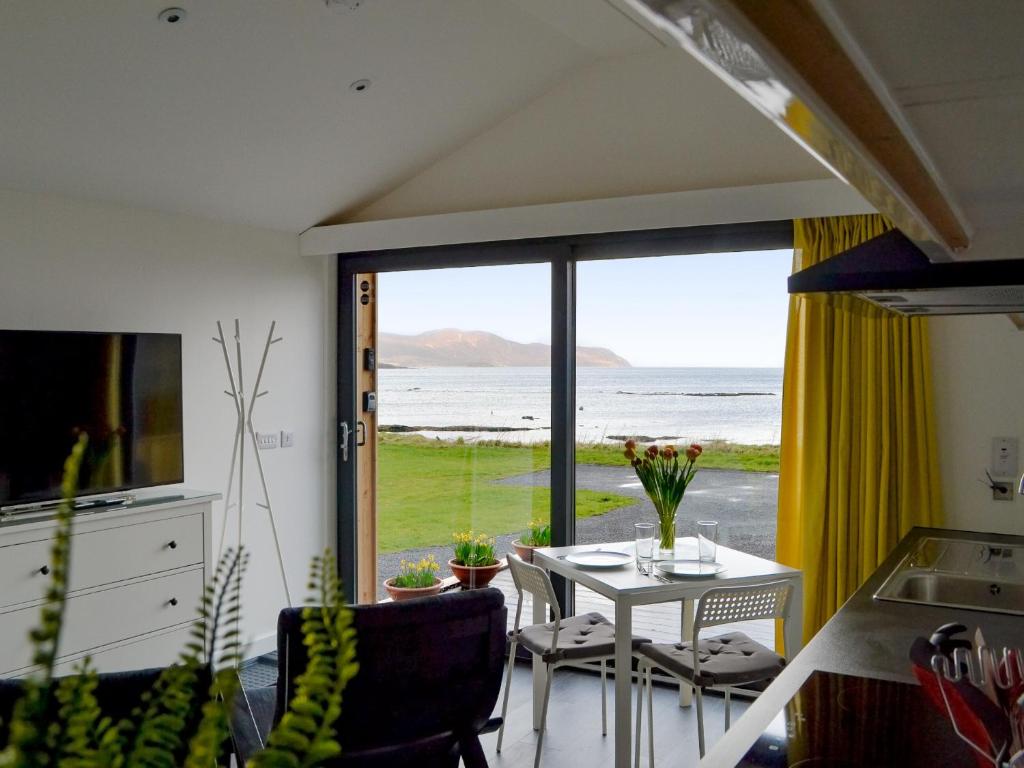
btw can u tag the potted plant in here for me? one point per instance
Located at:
(665, 480)
(415, 579)
(184, 719)
(474, 564)
(537, 534)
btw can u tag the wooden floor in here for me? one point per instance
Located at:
(660, 623)
(573, 738)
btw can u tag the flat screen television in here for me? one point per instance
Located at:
(122, 389)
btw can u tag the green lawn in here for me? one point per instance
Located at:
(427, 489)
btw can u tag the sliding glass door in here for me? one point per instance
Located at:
(445, 402)
(464, 411)
(689, 354)
(496, 369)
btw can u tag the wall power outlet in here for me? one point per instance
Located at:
(1002, 490)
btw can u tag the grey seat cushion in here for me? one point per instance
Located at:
(587, 636)
(728, 659)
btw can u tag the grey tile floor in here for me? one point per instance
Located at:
(574, 725)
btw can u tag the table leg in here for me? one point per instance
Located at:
(623, 682)
(540, 616)
(793, 634)
(686, 633)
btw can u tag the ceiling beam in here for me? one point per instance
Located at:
(702, 207)
(783, 58)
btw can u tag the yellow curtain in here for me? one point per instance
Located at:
(859, 464)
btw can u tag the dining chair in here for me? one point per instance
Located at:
(722, 662)
(572, 640)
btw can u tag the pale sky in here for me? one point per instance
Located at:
(715, 310)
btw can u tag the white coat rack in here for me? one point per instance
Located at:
(244, 411)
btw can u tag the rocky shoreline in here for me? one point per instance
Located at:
(697, 394)
(403, 428)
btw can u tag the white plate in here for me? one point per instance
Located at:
(689, 569)
(599, 559)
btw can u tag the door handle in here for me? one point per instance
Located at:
(360, 430)
(344, 433)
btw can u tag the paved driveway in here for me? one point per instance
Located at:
(744, 503)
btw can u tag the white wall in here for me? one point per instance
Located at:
(66, 264)
(979, 372)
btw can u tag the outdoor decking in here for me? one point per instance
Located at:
(661, 623)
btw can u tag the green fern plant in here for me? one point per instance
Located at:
(35, 728)
(184, 719)
(179, 698)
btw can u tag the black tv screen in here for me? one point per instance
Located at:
(122, 389)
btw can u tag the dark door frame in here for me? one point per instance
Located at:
(563, 254)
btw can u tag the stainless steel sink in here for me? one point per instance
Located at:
(958, 573)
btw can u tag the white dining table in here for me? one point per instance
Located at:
(626, 587)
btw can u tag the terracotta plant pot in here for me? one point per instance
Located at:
(474, 577)
(408, 593)
(525, 551)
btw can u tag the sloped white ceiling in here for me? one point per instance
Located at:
(642, 124)
(243, 111)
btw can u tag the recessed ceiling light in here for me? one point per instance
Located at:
(359, 86)
(172, 15)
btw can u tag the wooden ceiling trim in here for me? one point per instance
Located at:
(782, 57)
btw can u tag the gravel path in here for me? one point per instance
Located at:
(744, 504)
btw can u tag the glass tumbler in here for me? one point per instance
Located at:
(644, 540)
(707, 540)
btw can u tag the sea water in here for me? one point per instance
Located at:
(741, 405)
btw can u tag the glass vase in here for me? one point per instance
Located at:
(666, 534)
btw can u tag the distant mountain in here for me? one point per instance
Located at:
(451, 347)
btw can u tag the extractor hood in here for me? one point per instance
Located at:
(892, 272)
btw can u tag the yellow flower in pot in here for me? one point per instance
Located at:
(415, 579)
(537, 534)
(474, 563)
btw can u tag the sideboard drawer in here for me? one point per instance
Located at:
(105, 616)
(103, 557)
(157, 650)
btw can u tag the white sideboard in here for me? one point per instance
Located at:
(137, 575)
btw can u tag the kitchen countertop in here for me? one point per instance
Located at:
(870, 638)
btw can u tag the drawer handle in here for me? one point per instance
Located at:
(172, 544)
(173, 601)
(45, 570)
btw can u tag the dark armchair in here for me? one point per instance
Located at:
(117, 693)
(429, 675)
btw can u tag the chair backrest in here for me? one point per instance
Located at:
(429, 673)
(535, 580)
(725, 605)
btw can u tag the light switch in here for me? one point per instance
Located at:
(266, 440)
(1004, 457)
